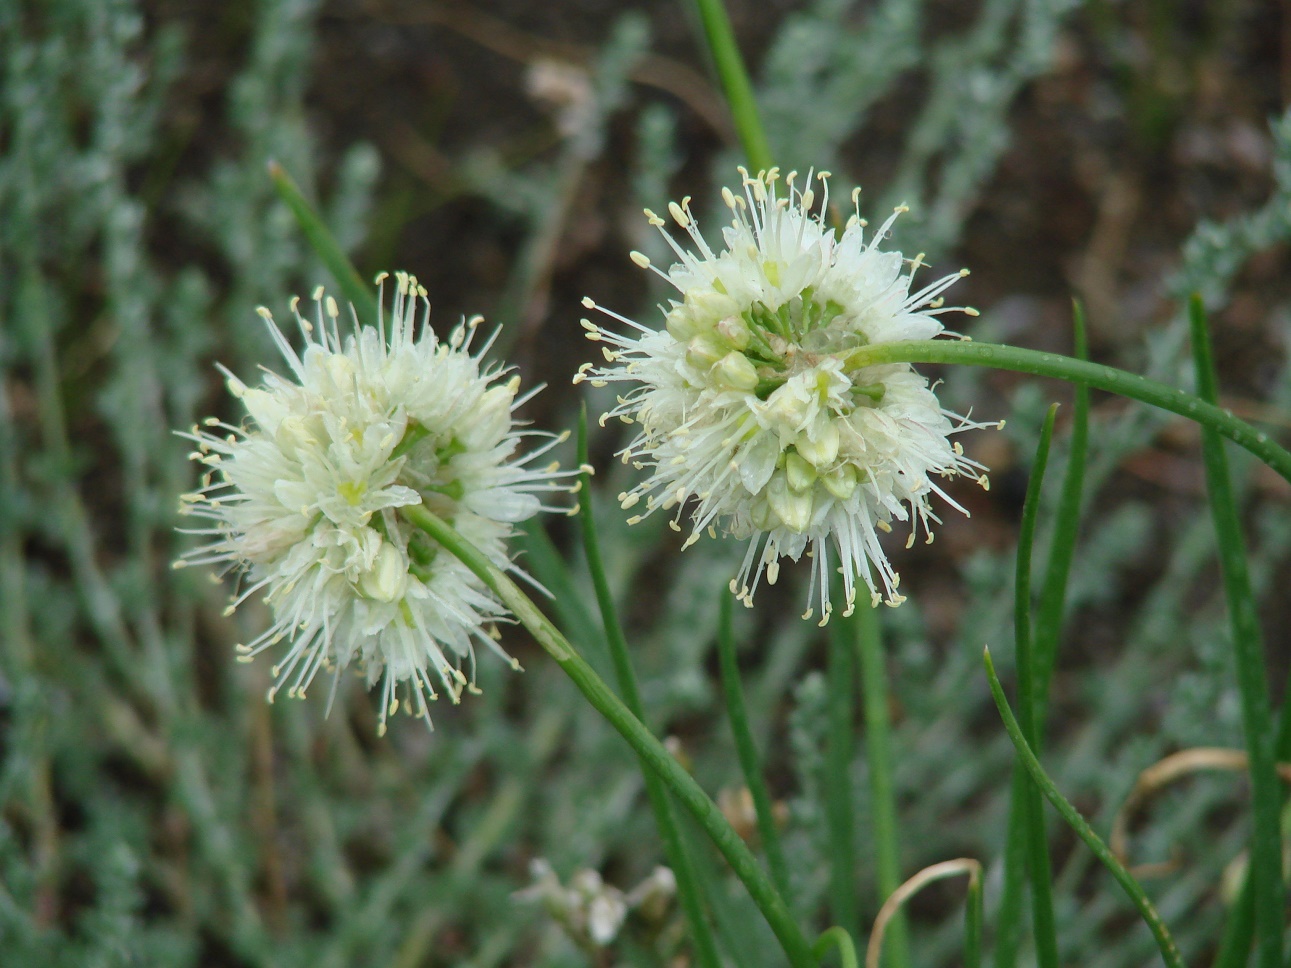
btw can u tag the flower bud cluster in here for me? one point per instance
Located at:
(755, 404)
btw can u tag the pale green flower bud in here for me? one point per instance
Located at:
(735, 372)
(710, 305)
(823, 450)
(792, 507)
(682, 324)
(801, 475)
(841, 481)
(735, 331)
(788, 408)
(387, 579)
(705, 350)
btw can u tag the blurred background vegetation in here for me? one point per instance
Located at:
(155, 811)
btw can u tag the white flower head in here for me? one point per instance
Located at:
(304, 500)
(751, 411)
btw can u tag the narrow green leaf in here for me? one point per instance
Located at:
(840, 684)
(973, 924)
(360, 295)
(1062, 545)
(878, 751)
(745, 748)
(1169, 952)
(735, 82)
(679, 858)
(1252, 680)
(1037, 843)
(1048, 629)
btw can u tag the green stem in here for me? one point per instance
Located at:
(745, 748)
(324, 244)
(679, 859)
(878, 751)
(840, 684)
(1037, 844)
(1248, 651)
(1079, 371)
(839, 939)
(973, 924)
(735, 82)
(1008, 928)
(1169, 953)
(651, 751)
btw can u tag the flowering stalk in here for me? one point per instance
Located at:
(646, 746)
(688, 889)
(1093, 375)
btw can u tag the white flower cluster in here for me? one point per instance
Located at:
(754, 406)
(305, 499)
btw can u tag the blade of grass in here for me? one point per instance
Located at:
(643, 742)
(1037, 844)
(679, 858)
(360, 295)
(1248, 650)
(1134, 890)
(735, 82)
(878, 751)
(840, 684)
(1062, 545)
(1053, 594)
(745, 748)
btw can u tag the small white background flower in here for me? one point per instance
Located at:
(750, 409)
(303, 501)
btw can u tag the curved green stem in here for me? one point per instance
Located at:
(839, 939)
(735, 82)
(688, 889)
(1079, 371)
(646, 746)
(1169, 952)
